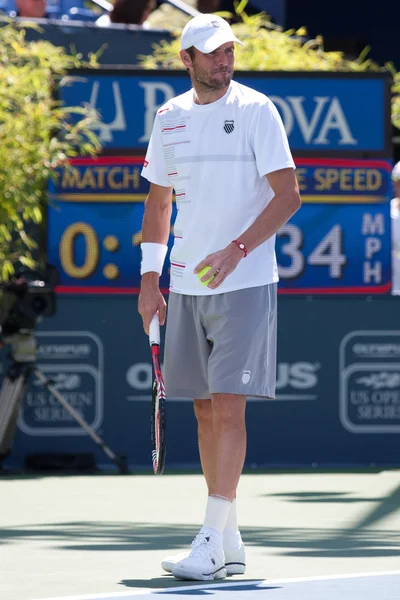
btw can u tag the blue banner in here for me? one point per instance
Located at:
(337, 394)
(322, 113)
(338, 242)
(73, 360)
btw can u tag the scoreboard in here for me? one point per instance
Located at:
(338, 242)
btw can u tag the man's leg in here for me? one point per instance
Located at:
(232, 541)
(218, 506)
(204, 415)
(222, 444)
(222, 441)
(229, 431)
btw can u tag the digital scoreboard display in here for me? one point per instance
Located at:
(338, 242)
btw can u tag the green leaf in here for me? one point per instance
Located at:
(37, 214)
(7, 270)
(239, 7)
(27, 261)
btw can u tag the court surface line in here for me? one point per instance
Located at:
(213, 585)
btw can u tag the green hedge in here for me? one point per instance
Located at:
(36, 135)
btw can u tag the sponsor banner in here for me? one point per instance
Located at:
(370, 382)
(339, 242)
(322, 112)
(337, 393)
(73, 361)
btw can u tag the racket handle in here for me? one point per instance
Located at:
(154, 331)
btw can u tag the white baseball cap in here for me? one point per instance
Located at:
(207, 33)
(396, 172)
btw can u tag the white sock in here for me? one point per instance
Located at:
(232, 537)
(217, 512)
(231, 522)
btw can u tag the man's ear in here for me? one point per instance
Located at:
(185, 57)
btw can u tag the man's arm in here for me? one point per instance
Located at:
(155, 229)
(157, 214)
(282, 206)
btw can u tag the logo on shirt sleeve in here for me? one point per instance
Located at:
(229, 126)
(145, 164)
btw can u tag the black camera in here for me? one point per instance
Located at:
(25, 299)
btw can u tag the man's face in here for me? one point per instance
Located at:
(31, 8)
(214, 70)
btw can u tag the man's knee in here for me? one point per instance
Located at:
(203, 411)
(229, 409)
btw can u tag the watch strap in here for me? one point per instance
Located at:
(241, 246)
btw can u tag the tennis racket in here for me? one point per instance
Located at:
(158, 402)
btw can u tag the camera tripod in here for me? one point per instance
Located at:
(23, 351)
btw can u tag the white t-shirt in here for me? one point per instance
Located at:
(216, 156)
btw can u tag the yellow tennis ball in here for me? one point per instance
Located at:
(202, 273)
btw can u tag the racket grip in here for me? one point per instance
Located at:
(154, 331)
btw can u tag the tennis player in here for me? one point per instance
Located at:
(223, 149)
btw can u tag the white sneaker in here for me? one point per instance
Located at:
(235, 560)
(169, 561)
(205, 562)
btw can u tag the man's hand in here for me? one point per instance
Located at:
(151, 301)
(222, 263)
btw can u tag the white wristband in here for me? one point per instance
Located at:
(153, 257)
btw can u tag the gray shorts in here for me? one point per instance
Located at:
(221, 344)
